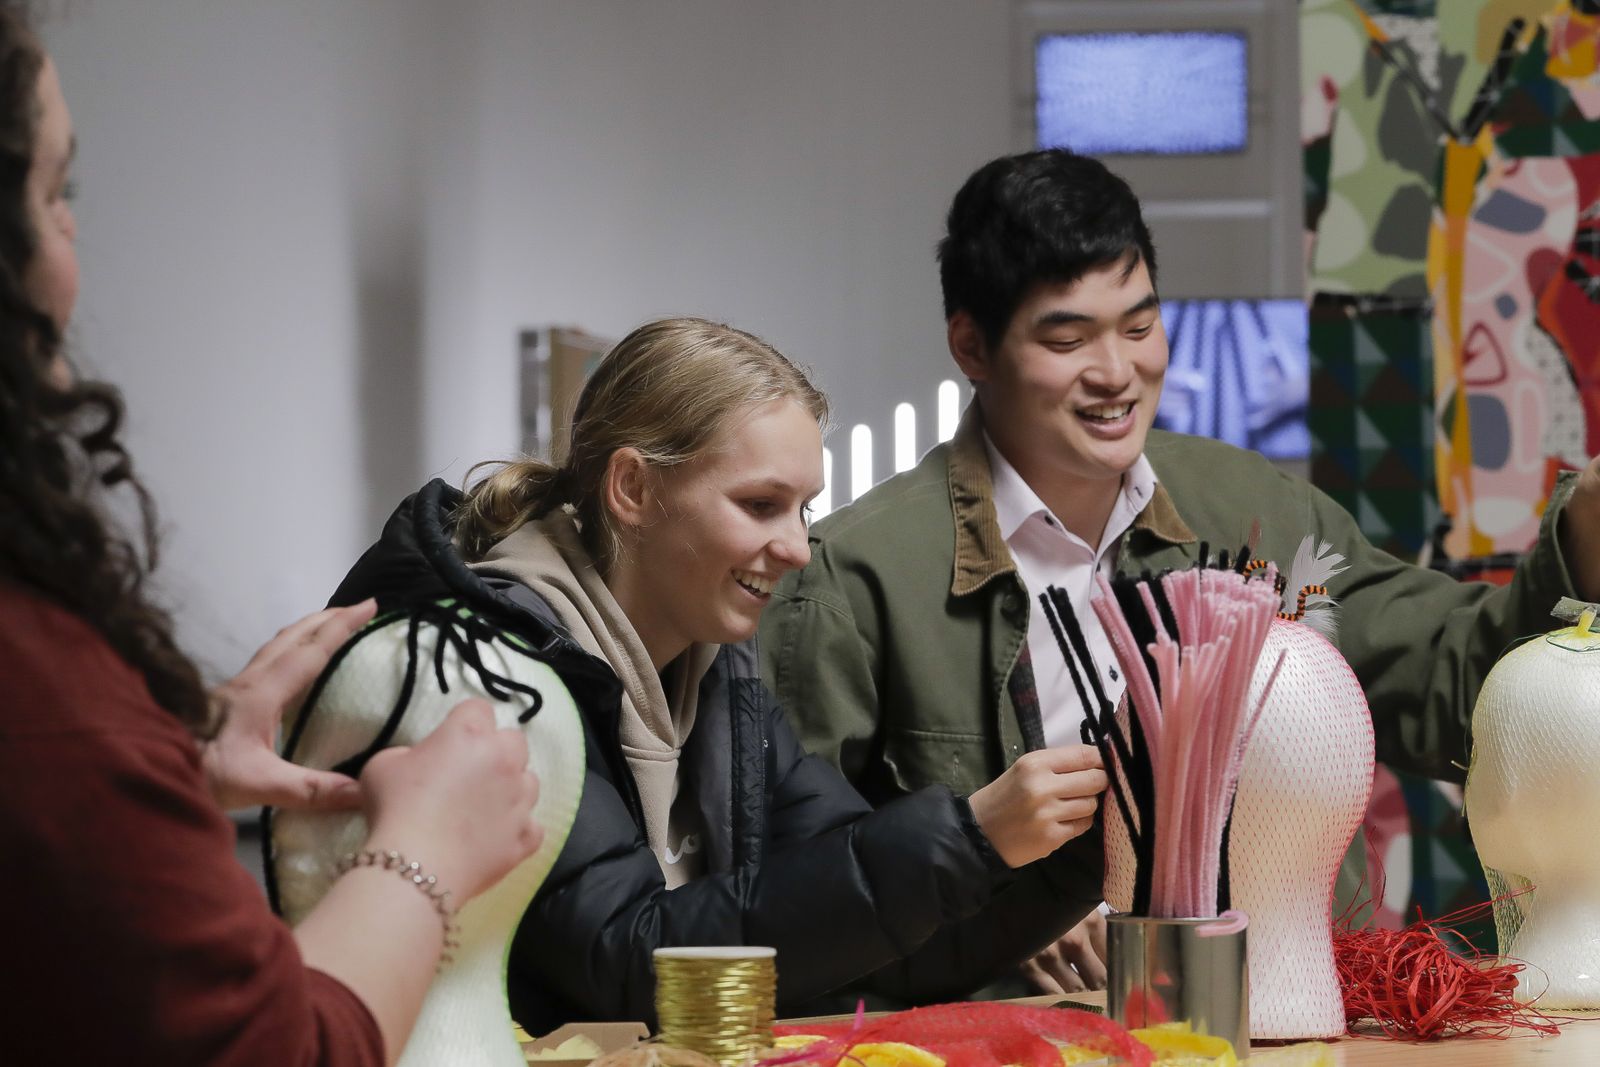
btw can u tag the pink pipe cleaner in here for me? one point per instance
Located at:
(1196, 718)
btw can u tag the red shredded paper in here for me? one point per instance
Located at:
(1417, 988)
(975, 1035)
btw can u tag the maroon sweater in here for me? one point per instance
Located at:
(131, 933)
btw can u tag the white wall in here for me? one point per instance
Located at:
(311, 231)
(248, 236)
(783, 166)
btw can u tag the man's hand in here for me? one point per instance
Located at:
(1042, 801)
(241, 763)
(1075, 962)
(1580, 533)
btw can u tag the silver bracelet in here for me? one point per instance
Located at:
(411, 871)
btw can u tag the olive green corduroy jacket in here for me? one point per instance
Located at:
(893, 650)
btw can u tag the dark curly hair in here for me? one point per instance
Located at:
(1046, 216)
(59, 448)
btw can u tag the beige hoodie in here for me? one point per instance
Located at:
(658, 710)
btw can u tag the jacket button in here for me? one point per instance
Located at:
(1012, 606)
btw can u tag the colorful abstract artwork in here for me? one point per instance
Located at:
(1450, 154)
(1372, 390)
(1452, 195)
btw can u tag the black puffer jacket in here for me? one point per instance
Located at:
(912, 893)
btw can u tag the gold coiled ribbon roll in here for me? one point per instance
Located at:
(717, 1001)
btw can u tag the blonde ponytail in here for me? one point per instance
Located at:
(669, 390)
(516, 492)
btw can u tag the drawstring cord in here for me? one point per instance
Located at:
(459, 628)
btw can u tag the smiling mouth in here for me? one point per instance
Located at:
(754, 584)
(1105, 413)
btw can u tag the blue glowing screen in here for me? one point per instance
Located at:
(1165, 93)
(1240, 372)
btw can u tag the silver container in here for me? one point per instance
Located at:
(1162, 970)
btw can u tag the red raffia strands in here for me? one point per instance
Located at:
(1416, 988)
(985, 1034)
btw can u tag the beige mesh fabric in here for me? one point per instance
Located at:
(1510, 890)
(1302, 794)
(1533, 804)
(464, 1020)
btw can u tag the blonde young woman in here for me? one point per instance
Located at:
(639, 569)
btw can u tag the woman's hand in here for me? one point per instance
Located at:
(241, 763)
(1073, 962)
(1042, 801)
(459, 802)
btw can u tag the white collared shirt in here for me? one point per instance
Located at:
(1047, 554)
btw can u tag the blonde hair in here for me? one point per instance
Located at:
(669, 389)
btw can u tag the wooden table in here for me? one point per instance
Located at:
(1578, 1044)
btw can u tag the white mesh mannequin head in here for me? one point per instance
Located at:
(465, 1019)
(1302, 793)
(1533, 803)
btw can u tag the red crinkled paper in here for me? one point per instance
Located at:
(975, 1035)
(1417, 988)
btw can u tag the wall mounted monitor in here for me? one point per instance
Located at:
(1181, 93)
(1240, 372)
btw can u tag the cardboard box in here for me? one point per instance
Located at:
(607, 1037)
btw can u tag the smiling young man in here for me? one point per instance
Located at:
(912, 649)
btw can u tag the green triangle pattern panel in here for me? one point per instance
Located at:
(1445, 873)
(1371, 434)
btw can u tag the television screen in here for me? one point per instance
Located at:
(1164, 93)
(1239, 372)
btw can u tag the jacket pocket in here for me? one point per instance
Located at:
(919, 758)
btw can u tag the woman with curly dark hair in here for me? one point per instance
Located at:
(125, 902)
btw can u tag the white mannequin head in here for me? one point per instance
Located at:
(465, 1019)
(1533, 803)
(1302, 793)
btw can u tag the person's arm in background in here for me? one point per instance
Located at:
(1578, 532)
(1421, 642)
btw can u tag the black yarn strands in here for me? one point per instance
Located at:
(1124, 753)
(459, 628)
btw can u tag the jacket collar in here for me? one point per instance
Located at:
(981, 553)
(415, 560)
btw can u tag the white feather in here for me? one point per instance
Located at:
(1314, 564)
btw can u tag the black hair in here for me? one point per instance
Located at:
(1046, 216)
(59, 445)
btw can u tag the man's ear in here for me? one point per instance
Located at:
(625, 490)
(967, 347)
